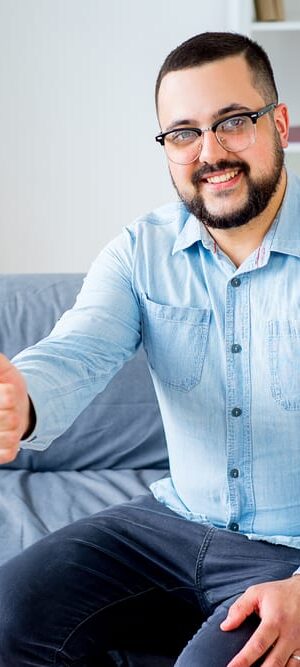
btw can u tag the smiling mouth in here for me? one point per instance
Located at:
(222, 178)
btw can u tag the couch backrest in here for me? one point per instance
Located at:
(122, 427)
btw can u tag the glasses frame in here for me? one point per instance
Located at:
(253, 115)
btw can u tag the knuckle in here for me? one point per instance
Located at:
(260, 645)
(8, 441)
(242, 662)
(277, 661)
(7, 396)
(7, 455)
(13, 421)
(278, 619)
(271, 625)
(237, 607)
(294, 633)
(11, 440)
(7, 421)
(250, 589)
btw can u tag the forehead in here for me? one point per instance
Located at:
(196, 93)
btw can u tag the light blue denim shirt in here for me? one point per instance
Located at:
(223, 346)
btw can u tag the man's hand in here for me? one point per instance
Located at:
(278, 606)
(14, 410)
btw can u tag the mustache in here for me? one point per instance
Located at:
(218, 166)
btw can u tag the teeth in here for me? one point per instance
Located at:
(223, 177)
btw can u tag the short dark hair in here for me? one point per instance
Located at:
(209, 46)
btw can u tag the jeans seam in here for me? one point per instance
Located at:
(128, 597)
(98, 611)
(265, 559)
(204, 605)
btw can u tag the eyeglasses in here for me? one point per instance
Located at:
(183, 145)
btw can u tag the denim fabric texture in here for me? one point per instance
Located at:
(135, 576)
(223, 346)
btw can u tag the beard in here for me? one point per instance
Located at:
(260, 192)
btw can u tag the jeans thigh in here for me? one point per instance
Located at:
(77, 592)
(233, 562)
(212, 647)
(230, 564)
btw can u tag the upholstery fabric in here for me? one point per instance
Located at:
(113, 451)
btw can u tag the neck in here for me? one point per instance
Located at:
(239, 242)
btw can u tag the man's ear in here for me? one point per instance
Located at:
(281, 118)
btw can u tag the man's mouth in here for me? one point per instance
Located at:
(222, 178)
(220, 174)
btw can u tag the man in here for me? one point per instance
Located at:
(210, 285)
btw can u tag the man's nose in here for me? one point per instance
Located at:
(211, 150)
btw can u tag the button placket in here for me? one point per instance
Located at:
(234, 329)
(236, 348)
(234, 526)
(236, 282)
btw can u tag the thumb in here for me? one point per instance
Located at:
(244, 606)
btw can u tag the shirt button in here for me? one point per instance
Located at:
(236, 412)
(236, 282)
(234, 526)
(236, 348)
(234, 472)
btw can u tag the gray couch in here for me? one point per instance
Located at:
(113, 451)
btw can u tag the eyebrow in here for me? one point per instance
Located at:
(218, 114)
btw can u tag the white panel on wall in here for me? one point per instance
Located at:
(77, 121)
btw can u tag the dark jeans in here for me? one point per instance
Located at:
(135, 576)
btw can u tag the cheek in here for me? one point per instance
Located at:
(262, 159)
(181, 175)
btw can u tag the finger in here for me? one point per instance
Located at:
(5, 367)
(9, 440)
(7, 396)
(244, 606)
(8, 455)
(257, 646)
(8, 420)
(281, 655)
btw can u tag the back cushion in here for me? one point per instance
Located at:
(122, 427)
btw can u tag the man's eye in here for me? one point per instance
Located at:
(182, 136)
(236, 123)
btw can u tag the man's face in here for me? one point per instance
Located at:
(199, 96)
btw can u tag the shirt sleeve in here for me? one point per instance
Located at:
(87, 346)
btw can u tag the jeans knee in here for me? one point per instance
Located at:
(9, 624)
(16, 622)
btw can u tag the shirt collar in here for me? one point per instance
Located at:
(192, 231)
(284, 237)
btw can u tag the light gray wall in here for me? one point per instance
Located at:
(77, 120)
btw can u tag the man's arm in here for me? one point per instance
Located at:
(277, 603)
(88, 345)
(16, 410)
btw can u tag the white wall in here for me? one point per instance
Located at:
(77, 121)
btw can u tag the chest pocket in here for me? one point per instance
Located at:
(284, 359)
(175, 341)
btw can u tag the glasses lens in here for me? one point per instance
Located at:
(236, 134)
(183, 146)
